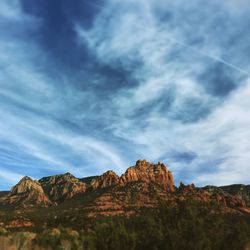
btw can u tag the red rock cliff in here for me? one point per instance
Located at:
(148, 172)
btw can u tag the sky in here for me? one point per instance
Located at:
(87, 86)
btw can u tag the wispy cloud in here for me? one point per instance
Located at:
(92, 86)
(37, 112)
(182, 110)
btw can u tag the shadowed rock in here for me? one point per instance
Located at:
(60, 187)
(107, 179)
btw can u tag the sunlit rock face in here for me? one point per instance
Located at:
(27, 192)
(26, 184)
(148, 172)
(143, 171)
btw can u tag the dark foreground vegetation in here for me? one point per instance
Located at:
(189, 225)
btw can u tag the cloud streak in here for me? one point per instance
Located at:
(122, 80)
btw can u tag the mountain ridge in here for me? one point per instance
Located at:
(144, 185)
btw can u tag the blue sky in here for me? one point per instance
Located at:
(87, 86)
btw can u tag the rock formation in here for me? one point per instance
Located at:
(144, 185)
(60, 187)
(147, 172)
(220, 195)
(27, 192)
(26, 184)
(239, 190)
(107, 179)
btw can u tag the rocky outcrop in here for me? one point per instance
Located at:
(143, 171)
(61, 187)
(238, 190)
(148, 172)
(26, 193)
(26, 184)
(208, 193)
(107, 179)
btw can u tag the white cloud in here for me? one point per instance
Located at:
(32, 107)
(170, 62)
(165, 58)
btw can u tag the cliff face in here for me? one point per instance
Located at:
(148, 172)
(143, 171)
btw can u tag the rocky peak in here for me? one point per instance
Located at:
(59, 178)
(26, 184)
(60, 187)
(148, 172)
(67, 175)
(142, 164)
(107, 179)
(27, 192)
